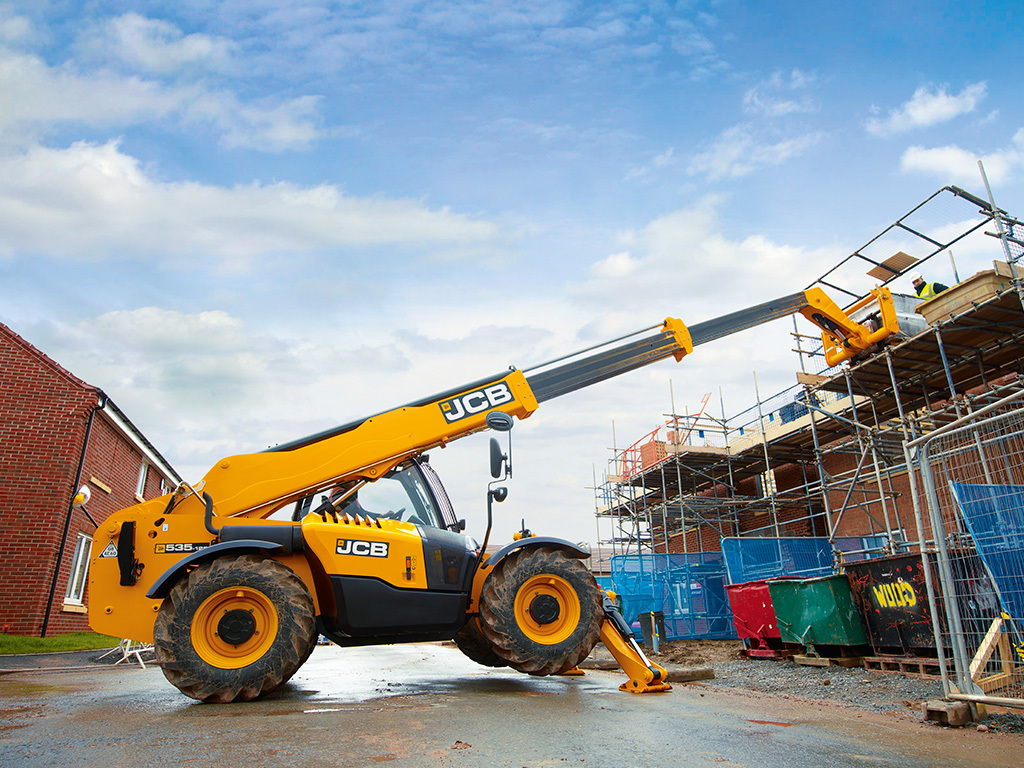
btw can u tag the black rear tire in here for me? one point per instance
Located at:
(541, 611)
(234, 629)
(474, 643)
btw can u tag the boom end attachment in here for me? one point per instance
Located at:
(678, 328)
(842, 337)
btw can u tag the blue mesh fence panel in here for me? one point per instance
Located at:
(689, 589)
(995, 519)
(758, 559)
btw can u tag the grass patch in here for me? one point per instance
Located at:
(73, 641)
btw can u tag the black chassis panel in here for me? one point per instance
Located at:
(371, 608)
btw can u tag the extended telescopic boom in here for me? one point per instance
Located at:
(256, 485)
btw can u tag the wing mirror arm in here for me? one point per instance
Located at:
(501, 469)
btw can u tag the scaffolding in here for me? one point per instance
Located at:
(826, 457)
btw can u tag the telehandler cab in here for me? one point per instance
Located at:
(373, 553)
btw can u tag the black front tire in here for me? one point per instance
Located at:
(234, 629)
(541, 611)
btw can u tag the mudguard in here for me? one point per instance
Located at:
(572, 550)
(162, 586)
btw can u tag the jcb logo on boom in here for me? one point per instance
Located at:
(362, 548)
(477, 401)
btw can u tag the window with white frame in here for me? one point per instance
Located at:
(79, 570)
(140, 486)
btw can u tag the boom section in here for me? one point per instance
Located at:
(603, 361)
(842, 339)
(257, 484)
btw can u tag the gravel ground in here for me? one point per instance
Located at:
(854, 687)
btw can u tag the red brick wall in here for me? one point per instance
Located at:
(44, 413)
(864, 515)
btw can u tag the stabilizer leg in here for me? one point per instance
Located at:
(644, 675)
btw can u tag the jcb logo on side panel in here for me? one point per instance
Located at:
(477, 401)
(362, 548)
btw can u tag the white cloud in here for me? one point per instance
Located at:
(35, 94)
(685, 256)
(739, 151)
(94, 201)
(774, 96)
(614, 266)
(266, 125)
(690, 42)
(37, 97)
(953, 164)
(929, 106)
(156, 45)
(14, 28)
(663, 160)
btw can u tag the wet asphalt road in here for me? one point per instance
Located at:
(427, 705)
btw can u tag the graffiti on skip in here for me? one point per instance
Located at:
(898, 594)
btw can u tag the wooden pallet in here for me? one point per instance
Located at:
(770, 653)
(913, 666)
(827, 661)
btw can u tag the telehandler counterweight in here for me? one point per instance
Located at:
(371, 552)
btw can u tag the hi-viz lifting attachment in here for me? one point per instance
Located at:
(349, 534)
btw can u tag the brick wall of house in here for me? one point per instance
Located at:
(111, 471)
(864, 515)
(44, 417)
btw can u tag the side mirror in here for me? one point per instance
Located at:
(497, 460)
(83, 496)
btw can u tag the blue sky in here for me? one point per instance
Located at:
(249, 221)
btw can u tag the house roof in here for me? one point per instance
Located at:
(104, 403)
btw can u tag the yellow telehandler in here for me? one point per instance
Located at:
(370, 550)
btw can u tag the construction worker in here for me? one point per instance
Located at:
(926, 290)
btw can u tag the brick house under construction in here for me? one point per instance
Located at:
(826, 458)
(57, 434)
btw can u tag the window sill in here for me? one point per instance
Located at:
(73, 608)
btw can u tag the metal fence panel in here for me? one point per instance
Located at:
(689, 589)
(757, 559)
(972, 478)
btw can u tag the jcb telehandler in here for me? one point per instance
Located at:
(371, 551)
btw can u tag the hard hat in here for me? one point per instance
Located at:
(915, 276)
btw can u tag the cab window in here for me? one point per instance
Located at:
(402, 495)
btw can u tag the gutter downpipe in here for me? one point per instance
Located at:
(100, 405)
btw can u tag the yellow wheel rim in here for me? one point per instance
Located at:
(234, 627)
(547, 609)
